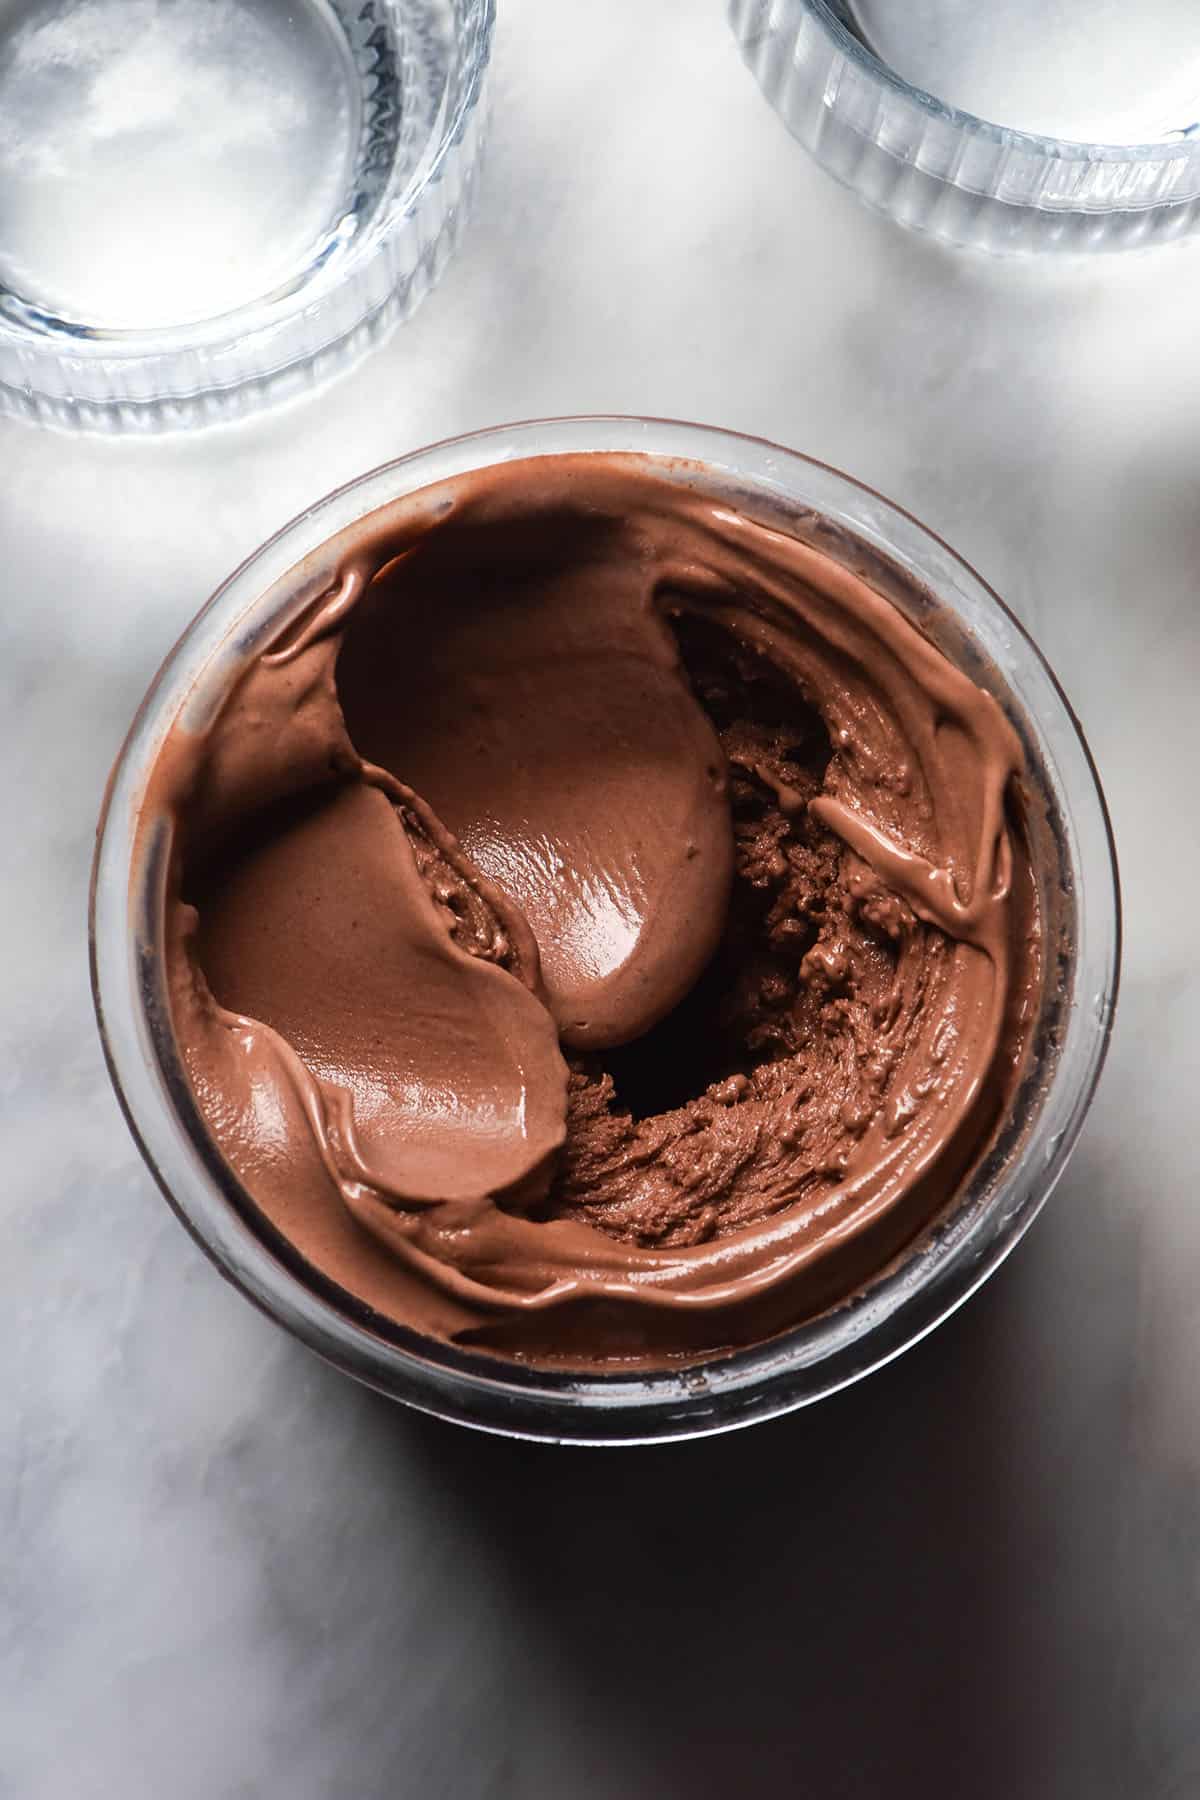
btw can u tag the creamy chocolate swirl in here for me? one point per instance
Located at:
(602, 926)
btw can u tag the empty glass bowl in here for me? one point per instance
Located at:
(209, 203)
(1013, 127)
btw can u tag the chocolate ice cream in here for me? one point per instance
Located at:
(602, 927)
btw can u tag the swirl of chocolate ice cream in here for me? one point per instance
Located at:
(601, 925)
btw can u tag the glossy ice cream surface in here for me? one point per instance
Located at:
(601, 925)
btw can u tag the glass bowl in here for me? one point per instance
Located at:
(205, 207)
(942, 169)
(1005, 1191)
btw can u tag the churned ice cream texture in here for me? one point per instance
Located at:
(601, 926)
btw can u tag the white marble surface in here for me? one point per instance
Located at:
(228, 1572)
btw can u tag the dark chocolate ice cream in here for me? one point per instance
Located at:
(602, 926)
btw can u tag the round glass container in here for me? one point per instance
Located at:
(1076, 872)
(205, 204)
(1096, 139)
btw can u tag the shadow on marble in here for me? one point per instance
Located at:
(852, 1597)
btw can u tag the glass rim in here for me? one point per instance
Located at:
(252, 316)
(1053, 148)
(727, 1389)
(66, 372)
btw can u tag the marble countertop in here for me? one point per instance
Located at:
(229, 1572)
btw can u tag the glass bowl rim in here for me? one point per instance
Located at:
(732, 1388)
(1007, 136)
(246, 322)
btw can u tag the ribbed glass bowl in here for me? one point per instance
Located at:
(1002, 1195)
(942, 170)
(205, 207)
